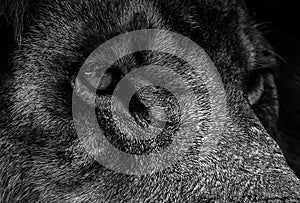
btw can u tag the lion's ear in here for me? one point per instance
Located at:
(15, 13)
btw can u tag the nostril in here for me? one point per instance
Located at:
(139, 112)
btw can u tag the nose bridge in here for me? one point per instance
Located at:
(255, 156)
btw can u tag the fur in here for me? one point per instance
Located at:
(42, 159)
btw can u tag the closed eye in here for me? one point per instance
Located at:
(255, 86)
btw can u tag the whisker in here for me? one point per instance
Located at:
(272, 52)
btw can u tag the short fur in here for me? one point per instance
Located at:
(42, 159)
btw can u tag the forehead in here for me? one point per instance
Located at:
(135, 14)
(219, 27)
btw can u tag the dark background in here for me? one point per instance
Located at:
(6, 37)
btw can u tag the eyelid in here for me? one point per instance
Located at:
(84, 93)
(255, 94)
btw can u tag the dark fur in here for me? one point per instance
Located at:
(41, 158)
(286, 41)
